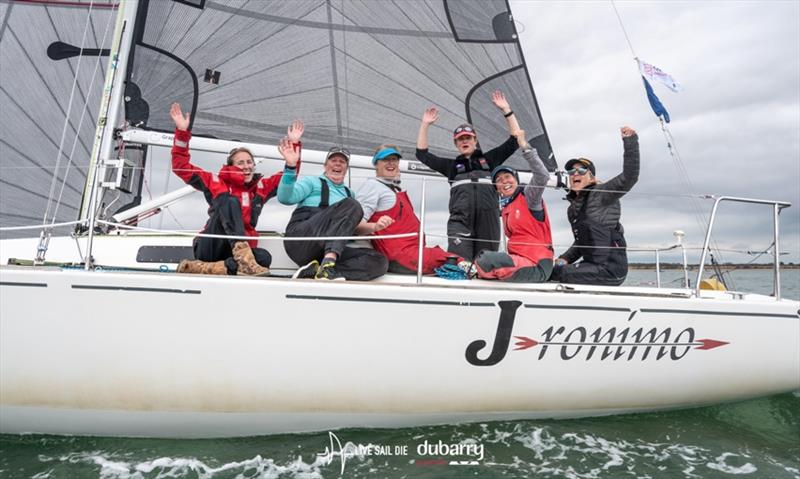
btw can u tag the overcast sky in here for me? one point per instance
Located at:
(736, 125)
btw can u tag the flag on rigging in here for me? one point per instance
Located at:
(654, 73)
(655, 103)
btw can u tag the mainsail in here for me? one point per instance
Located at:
(358, 72)
(49, 98)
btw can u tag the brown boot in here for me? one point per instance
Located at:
(246, 261)
(193, 266)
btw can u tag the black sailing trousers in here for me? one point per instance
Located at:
(610, 273)
(474, 223)
(340, 219)
(226, 219)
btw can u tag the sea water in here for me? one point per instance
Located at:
(757, 439)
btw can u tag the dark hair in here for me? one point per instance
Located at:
(237, 150)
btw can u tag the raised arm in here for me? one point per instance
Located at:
(428, 118)
(180, 119)
(440, 165)
(535, 189)
(290, 191)
(622, 183)
(500, 101)
(198, 178)
(294, 132)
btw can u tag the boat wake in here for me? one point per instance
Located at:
(111, 467)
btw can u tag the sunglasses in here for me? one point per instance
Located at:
(463, 129)
(581, 170)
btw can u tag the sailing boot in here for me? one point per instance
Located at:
(193, 266)
(246, 261)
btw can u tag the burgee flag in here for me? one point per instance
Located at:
(655, 103)
(654, 73)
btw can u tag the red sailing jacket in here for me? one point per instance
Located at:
(251, 196)
(526, 235)
(405, 251)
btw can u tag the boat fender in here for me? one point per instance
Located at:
(712, 284)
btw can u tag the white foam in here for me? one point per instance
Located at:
(722, 465)
(263, 468)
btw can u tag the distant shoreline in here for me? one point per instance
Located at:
(724, 267)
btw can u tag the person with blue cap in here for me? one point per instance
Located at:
(388, 211)
(529, 253)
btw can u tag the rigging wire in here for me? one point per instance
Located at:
(683, 173)
(54, 181)
(346, 91)
(624, 31)
(80, 122)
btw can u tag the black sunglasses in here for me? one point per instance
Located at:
(581, 170)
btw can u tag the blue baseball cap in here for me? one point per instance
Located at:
(503, 168)
(384, 153)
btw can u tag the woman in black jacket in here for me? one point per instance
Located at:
(594, 213)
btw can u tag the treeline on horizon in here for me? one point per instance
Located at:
(721, 265)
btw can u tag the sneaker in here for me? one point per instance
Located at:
(328, 271)
(308, 271)
(469, 268)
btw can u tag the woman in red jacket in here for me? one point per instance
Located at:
(530, 246)
(235, 197)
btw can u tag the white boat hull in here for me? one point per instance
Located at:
(149, 354)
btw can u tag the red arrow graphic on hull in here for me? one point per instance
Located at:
(711, 343)
(524, 343)
(702, 344)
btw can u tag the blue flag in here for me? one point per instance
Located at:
(655, 103)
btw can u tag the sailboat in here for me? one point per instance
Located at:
(98, 336)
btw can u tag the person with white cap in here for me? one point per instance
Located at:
(325, 208)
(388, 211)
(473, 225)
(594, 212)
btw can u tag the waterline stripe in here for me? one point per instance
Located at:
(142, 290)
(387, 300)
(32, 285)
(590, 308)
(717, 313)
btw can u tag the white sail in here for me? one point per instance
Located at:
(49, 98)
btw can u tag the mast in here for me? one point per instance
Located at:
(109, 111)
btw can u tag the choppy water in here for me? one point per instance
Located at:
(758, 438)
